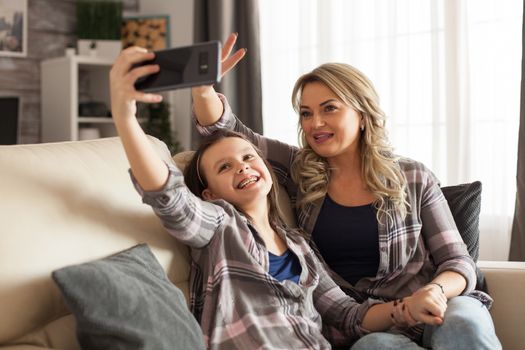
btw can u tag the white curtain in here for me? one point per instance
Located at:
(447, 71)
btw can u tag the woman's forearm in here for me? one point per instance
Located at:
(207, 105)
(452, 282)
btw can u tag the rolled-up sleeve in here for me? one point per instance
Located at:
(226, 121)
(184, 215)
(341, 314)
(442, 237)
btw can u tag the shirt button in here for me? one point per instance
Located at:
(164, 199)
(383, 249)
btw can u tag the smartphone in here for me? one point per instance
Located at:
(184, 66)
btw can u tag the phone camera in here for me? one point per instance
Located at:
(203, 63)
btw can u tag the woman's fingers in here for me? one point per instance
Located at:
(431, 319)
(228, 46)
(436, 309)
(409, 318)
(228, 61)
(232, 61)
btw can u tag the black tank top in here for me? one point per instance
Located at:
(348, 239)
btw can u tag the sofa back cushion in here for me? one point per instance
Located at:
(63, 204)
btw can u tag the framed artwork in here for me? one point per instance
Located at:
(151, 32)
(13, 28)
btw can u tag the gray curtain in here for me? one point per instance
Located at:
(215, 20)
(517, 242)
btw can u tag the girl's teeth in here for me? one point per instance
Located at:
(247, 182)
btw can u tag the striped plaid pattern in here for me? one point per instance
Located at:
(412, 250)
(237, 303)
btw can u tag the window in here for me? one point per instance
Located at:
(448, 74)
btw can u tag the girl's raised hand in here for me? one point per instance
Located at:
(122, 79)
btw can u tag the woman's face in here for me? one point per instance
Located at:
(331, 127)
(236, 173)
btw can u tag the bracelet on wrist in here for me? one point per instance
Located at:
(400, 306)
(439, 285)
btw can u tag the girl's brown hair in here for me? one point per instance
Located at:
(196, 180)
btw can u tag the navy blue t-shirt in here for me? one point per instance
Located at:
(348, 239)
(285, 267)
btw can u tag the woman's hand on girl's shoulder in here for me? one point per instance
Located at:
(122, 78)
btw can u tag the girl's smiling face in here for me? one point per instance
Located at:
(236, 173)
(330, 126)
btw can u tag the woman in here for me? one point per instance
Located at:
(254, 282)
(380, 222)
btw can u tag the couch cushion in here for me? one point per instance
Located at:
(125, 301)
(68, 203)
(58, 334)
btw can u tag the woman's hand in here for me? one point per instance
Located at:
(427, 305)
(228, 61)
(122, 79)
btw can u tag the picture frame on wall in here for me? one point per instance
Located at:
(151, 32)
(13, 28)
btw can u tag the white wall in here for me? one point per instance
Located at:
(181, 33)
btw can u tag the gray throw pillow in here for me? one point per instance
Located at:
(125, 301)
(464, 202)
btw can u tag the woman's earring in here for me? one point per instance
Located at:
(362, 127)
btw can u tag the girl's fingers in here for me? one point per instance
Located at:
(147, 97)
(142, 71)
(129, 57)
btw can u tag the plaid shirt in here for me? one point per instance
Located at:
(237, 303)
(412, 251)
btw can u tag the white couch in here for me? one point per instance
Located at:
(72, 202)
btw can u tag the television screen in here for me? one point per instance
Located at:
(8, 120)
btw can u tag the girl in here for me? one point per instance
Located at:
(380, 222)
(254, 282)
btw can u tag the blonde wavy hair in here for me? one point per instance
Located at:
(380, 169)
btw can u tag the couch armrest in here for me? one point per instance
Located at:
(506, 284)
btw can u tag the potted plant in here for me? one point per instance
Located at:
(157, 123)
(98, 27)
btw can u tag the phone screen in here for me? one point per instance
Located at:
(182, 67)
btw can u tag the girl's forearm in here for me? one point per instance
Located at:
(207, 105)
(378, 318)
(148, 168)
